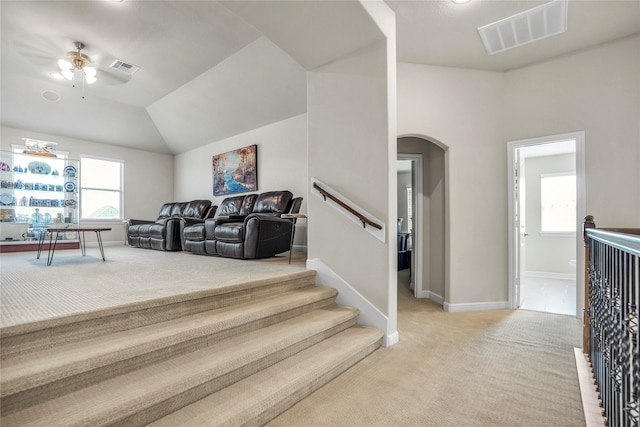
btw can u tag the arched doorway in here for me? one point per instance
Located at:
(428, 214)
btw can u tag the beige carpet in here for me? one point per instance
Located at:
(498, 368)
(32, 291)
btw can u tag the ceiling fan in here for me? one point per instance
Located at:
(78, 63)
(47, 51)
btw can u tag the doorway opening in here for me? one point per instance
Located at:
(546, 207)
(423, 216)
(410, 219)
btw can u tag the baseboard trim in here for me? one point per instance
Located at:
(549, 275)
(476, 306)
(347, 295)
(590, 403)
(435, 297)
(432, 296)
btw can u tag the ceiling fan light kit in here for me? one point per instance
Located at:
(77, 63)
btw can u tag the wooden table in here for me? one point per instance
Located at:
(79, 230)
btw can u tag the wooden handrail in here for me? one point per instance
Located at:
(365, 221)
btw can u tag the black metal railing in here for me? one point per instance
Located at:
(611, 328)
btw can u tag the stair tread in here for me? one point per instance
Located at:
(245, 400)
(45, 366)
(129, 393)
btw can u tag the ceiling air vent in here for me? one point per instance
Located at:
(124, 67)
(529, 26)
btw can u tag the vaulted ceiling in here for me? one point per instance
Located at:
(207, 74)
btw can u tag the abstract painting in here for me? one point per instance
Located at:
(235, 171)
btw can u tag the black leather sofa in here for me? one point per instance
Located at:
(164, 233)
(245, 227)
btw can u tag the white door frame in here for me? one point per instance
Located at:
(514, 238)
(418, 217)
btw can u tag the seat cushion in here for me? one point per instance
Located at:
(194, 233)
(143, 230)
(230, 232)
(157, 231)
(134, 230)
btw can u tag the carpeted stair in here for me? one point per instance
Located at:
(236, 356)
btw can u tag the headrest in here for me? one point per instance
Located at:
(196, 208)
(273, 202)
(230, 206)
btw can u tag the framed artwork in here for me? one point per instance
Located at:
(235, 171)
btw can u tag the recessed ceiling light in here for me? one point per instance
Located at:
(50, 95)
(56, 76)
(460, 1)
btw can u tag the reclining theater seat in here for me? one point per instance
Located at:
(246, 227)
(194, 235)
(164, 233)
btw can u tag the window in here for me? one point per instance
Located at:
(100, 188)
(558, 200)
(409, 208)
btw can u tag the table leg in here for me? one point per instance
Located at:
(40, 243)
(99, 238)
(52, 250)
(83, 241)
(293, 233)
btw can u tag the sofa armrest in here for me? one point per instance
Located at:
(131, 221)
(230, 218)
(187, 221)
(266, 235)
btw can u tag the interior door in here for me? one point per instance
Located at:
(517, 225)
(520, 223)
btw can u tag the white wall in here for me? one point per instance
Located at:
(282, 164)
(462, 110)
(352, 148)
(548, 253)
(474, 113)
(597, 91)
(148, 177)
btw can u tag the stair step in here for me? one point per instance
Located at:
(25, 338)
(42, 375)
(156, 390)
(261, 397)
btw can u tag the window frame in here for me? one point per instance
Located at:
(558, 233)
(120, 191)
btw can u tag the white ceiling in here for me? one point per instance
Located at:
(207, 74)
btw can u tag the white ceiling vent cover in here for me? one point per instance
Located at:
(124, 67)
(529, 26)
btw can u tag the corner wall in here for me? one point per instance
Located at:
(352, 148)
(462, 109)
(475, 113)
(282, 164)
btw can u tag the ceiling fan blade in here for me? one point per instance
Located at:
(40, 49)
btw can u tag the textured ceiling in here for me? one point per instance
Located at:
(212, 69)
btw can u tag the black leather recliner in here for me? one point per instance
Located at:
(164, 234)
(246, 227)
